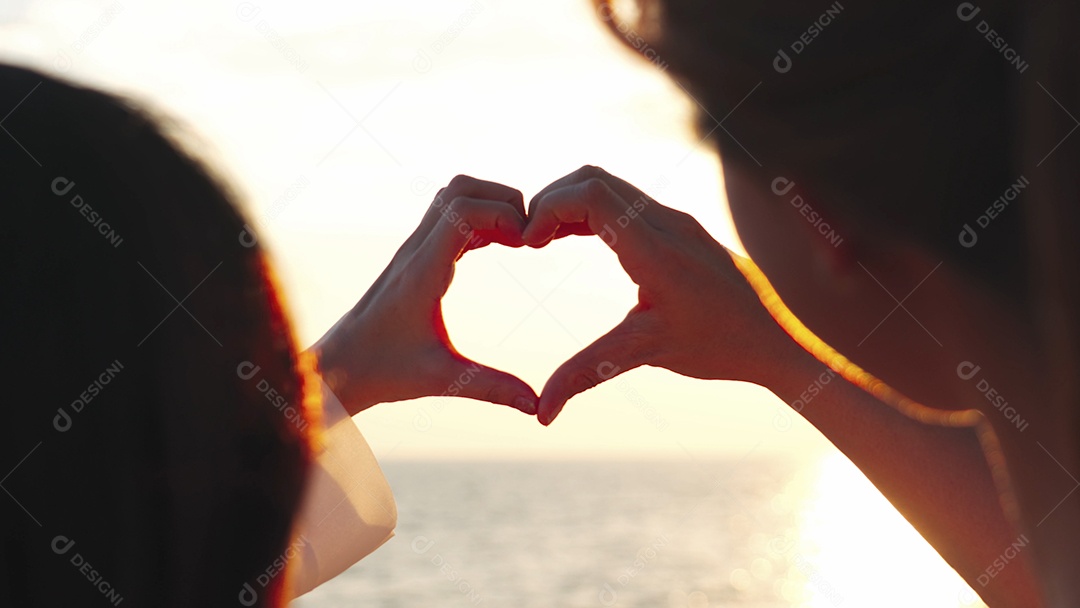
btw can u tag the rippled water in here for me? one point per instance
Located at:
(679, 535)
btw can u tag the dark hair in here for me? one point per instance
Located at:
(907, 119)
(143, 461)
(896, 118)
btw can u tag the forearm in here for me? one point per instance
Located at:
(937, 477)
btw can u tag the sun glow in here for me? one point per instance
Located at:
(897, 567)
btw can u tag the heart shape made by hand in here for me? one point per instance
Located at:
(527, 311)
(394, 344)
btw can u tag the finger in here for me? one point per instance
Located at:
(463, 220)
(639, 204)
(579, 229)
(620, 350)
(582, 174)
(564, 230)
(464, 185)
(595, 205)
(629, 193)
(475, 381)
(591, 204)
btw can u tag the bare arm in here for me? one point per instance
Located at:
(392, 345)
(936, 476)
(697, 316)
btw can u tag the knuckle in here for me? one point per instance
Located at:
(595, 189)
(517, 197)
(591, 171)
(684, 223)
(461, 181)
(640, 339)
(439, 200)
(682, 217)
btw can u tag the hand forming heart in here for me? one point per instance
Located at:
(696, 315)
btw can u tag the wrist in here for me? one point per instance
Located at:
(342, 371)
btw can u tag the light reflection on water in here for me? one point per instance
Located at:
(755, 533)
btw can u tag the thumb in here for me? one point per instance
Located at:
(620, 350)
(475, 381)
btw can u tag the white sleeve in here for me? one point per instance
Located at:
(348, 510)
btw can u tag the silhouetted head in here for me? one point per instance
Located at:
(877, 151)
(147, 454)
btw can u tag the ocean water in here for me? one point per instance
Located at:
(630, 534)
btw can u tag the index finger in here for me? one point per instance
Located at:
(462, 219)
(593, 204)
(470, 187)
(627, 191)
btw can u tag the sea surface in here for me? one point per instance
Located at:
(747, 532)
